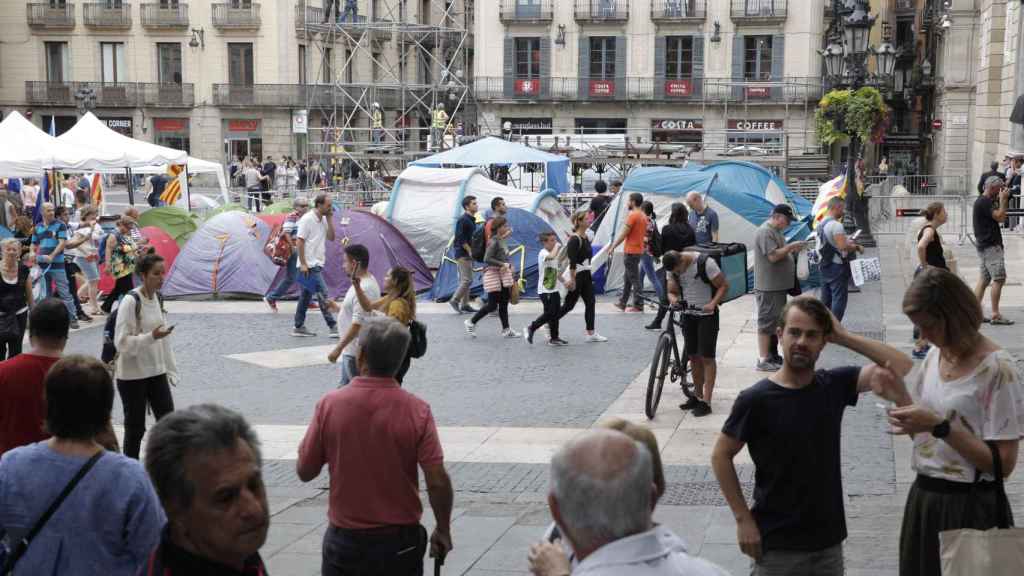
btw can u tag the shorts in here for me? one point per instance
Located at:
(89, 269)
(769, 310)
(701, 334)
(993, 264)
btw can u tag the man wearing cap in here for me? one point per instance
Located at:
(989, 239)
(835, 248)
(774, 275)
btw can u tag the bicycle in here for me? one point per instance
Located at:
(668, 362)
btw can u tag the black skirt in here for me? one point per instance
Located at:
(936, 505)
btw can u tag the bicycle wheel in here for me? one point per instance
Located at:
(659, 369)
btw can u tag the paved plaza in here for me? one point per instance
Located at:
(503, 408)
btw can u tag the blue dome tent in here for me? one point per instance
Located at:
(523, 247)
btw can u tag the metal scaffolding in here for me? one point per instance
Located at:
(408, 56)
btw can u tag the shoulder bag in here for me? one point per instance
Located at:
(418, 342)
(22, 546)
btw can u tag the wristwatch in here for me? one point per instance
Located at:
(941, 429)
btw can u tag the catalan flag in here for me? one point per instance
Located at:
(833, 188)
(96, 189)
(172, 192)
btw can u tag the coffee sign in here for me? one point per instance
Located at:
(678, 88)
(602, 87)
(755, 125)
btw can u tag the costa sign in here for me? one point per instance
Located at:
(755, 125)
(677, 125)
(527, 87)
(602, 87)
(678, 88)
(758, 92)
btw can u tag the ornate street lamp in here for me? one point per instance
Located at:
(885, 59)
(834, 60)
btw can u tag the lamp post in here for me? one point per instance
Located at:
(846, 65)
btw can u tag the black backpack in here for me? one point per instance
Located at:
(702, 268)
(109, 354)
(654, 242)
(478, 244)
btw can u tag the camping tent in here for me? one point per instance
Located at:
(223, 258)
(523, 246)
(27, 151)
(161, 241)
(740, 210)
(387, 246)
(177, 223)
(750, 177)
(194, 166)
(490, 150)
(425, 204)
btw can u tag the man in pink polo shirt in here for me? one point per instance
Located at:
(372, 434)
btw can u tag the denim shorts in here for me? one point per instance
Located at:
(89, 269)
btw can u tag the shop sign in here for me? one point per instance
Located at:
(755, 125)
(602, 87)
(527, 87)
(119, 125)
(678, 125)
(758, 91)
(300, 121)
(243, 125)
(519, 125)
(170, 124)
(678, 88)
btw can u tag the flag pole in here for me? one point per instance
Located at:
(131, 192)
(188, 191)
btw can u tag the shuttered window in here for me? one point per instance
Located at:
(679, 57)
(602, 57)
(527, 58)
(757, 57)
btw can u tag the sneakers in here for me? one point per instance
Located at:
(653, 326)
(620, 306)
(766, 366)
(777, 360)
(633, 310)
(557, 342)
(332, 332)
(510, 333)
(455, 306)
(272, 304)
(690, 404)
(595, 337)
(83, 317)
(470, 328)
(302, 331)
(468, 309)
(74, 325)
(702, 409)
(528, 334)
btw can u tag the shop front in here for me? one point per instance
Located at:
(123, 126)
(172, 132)
(678, 131)
(748, 137)
(243, 138)
(527, 126)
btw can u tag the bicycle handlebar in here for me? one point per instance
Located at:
(677, 307)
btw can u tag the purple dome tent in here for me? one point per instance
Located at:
(224, 257)
(388, 248)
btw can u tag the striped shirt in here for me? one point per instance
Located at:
(47, 238)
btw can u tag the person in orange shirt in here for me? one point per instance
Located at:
(633, 235)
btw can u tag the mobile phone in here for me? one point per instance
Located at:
(171, 327)
(856, 234)
(553, 533)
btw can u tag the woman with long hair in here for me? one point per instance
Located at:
(677, 235)
(647, 260)
(929, 253)
(15, 298)
(84, 246)
(398, 302)
(497, 279)
(965, 408)
(580, 282)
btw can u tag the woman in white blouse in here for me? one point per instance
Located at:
(968, 405)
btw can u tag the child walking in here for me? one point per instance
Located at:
(547, 289)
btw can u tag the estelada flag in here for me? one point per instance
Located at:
(96, 188)
(828, 190)
(172, 192)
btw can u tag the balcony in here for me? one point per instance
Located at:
(696, 90)
(108, 95)
(526, 11)
(108, 15)
(237, 15)
(758, 11)
(906, 6)
(599, 11)
(152, 95)
(267, 95)
(51, 15)
(311, 20)
(678, 11)
(164, 15)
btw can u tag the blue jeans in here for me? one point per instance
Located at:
(291, 268)
(349, 369)
(834, 288)
(321, 299)
(60, 279)
(647, 264)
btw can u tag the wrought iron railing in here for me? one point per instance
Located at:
(678, 10)
(601, 10)
(166, 95)
(164, 15)
(758, 10)
(51, 14)
(236, 15)
(108, 95)
(107, 15)
(526, 11)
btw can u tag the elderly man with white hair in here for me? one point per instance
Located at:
(602, 494)
(703, 219)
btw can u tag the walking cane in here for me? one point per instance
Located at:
(438, 562)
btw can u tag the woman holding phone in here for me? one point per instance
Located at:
(145, 366)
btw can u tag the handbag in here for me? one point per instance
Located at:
(22, 546)
(514, 293)
(995, 552)
(418, 342)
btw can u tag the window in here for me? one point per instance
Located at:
(375, 64)
(757, 58)
(169, 62)
(112, 55)
(240, 70)
(527, 58)
(327, 63)
(600, 126)
(679, 57)
(113, 4)
(302, 64)
(168, 3)
(56, 61)
(349, 66)
(58, 3)
(602, 57)
(236, 4)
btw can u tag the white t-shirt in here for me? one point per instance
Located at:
(989, 402)
(696, 291)
(91, 246)
(313, 229)
(67, 198)
(354, 313)
(829, 231)
(547, 272)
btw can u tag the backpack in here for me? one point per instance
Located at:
(702, 268)
(654, 242)
(418, 340)
(109, 353)
(279, 247)
(478, 244)
(102, 254)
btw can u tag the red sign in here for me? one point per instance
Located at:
(936, 124)
(758, 92)
(755, 125)
(678, 88)
(527, 87)
(170, 124)
(602, 87)
(243, 125)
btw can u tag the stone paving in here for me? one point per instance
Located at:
(497, 455)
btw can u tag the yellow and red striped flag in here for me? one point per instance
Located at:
(827, 191)
(96, 188)
(172, 192)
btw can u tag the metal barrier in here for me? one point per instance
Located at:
(894, 215)
(918, 184)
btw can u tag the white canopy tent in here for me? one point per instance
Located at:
(26, 151)
(90, 132)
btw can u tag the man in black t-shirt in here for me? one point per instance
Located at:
(988, 238)
(790, 423)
